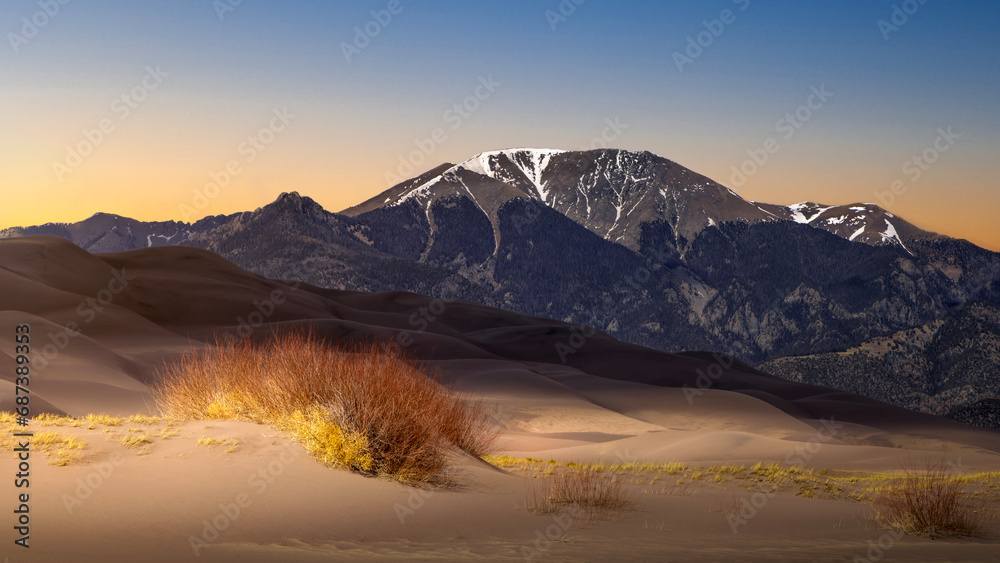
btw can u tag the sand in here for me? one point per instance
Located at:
(609, 403)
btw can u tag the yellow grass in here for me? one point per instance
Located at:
(362, 408)
(212, 442)
(103, 419)
(59, 449)
(857, 486)
(136, 441)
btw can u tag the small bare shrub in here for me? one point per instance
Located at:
(597, 492)
(928, 503)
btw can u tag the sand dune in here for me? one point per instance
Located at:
(609, 402)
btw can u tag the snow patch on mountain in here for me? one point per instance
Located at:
(891, 236)
(530, 162)
(166, 239)
(610, 191)
(797, 210)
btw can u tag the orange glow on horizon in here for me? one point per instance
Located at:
(176, 194)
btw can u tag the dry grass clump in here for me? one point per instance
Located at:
(363, 408)
(48, 419)
(230, 443)
(103, 419)
(136, 442)
(930, 503)
(596, 492)
(10, 427)
(59, 449)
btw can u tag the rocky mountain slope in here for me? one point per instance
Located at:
(631, 243)
(949, 366)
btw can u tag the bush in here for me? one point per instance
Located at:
(361, 408)
(596, 492)
(928, 503)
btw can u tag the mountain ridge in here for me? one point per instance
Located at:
(689, 201)
(562, 234)
(525, 170)
(632, 244)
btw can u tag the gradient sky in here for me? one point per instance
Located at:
(556, 86)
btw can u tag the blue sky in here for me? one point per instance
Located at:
(557, 86)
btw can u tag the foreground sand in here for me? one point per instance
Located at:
(118, 503)
(607, 403)
(122, 503)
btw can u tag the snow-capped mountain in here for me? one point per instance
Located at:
(629, 242)
(860, 222)
(614, 192)
(610, 192)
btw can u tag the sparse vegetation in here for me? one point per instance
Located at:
(59, 449)
(364, 408)
(946, 367)
(94, 420)
(672, 478)
(136, 442)
(598, 493)
(929, 503)
(230, 443)
(103, 419)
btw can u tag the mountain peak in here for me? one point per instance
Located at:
(857, 222)
(289, 196)
(614, 192)
(611, 192)
(293, 202)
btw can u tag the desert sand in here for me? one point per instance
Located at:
(608, 403)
